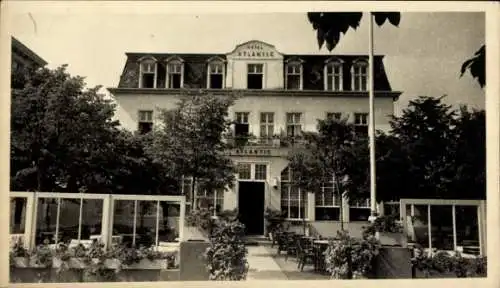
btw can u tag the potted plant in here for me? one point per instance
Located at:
(275, 220)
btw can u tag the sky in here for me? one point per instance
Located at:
(423, 55)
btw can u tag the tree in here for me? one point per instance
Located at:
(476, 65)
(58, 130)
(330, 155)
(190, 141)
(441, 152)
(330, 26)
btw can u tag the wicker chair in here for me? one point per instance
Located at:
(291, 245)
(306, 253)
(282, 242)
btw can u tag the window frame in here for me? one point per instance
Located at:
(174, 60)
(363, 116)
(294, 123)
(216, 61)
(300, 74)
(334, 115)
(144, 61)
(358, 64)
(302, 198)
(146, 120)
(334, 63)
(266, 125)
(256, 64)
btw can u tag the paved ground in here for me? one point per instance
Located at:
(264, 264)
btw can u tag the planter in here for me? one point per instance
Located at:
(79, 263)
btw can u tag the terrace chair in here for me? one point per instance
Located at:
(291, 246)
(282, 242)
(306, 253)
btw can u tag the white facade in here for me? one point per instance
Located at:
(272, 97)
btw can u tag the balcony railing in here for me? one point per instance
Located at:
(268, 142)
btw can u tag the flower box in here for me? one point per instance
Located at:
(79, 263)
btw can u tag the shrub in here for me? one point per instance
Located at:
(348, 257)
(226, 254)
(443, 262)
(201, 218)
(384, 224)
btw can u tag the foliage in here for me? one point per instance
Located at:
(226, 255)
(94, 258)
(274, 219)
(201, 218)
(330, 26)
(384, 224)
(334, 153)
(442, 262)
(347, 257)
(476, 65)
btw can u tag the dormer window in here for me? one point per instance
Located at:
(175, 73)
(148, 70)
(294, 76)
(333, 75)
(359, 76)
(215, 75)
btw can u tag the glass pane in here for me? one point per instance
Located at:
(69, 218)
(420, 225)
(359, 214)
(145, 231)
(467, 228)
(123, 221)
(168, 230)
(442, 227)
(327, 214)
(18, 215)
(260, 171)
(244, 171)
(46, 220)
(92, 219)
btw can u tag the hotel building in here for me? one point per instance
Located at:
(282, 96)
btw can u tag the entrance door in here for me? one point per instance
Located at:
(251, 207)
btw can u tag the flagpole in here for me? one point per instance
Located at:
(371, 122)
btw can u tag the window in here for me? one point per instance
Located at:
(212, 200)
(145, 222)
(328, 202)
(293, 124)
(68, 220)
(244, 171)
(294, 76)
(334, 116)
(293, 200)
(361, 123)
(242, 128)
(255, 76)
(148, 74)
(175, 74)
(359, 76)
(260, 171)
(333, 76)
(145, 121)
(216, 75)
(266, 126)
(359, 210)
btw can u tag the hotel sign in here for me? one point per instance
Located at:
(252, 152)
(255, 50)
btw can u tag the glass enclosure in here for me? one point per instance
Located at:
(73, 218)
(451, 225)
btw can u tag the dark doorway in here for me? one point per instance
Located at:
(251, 206)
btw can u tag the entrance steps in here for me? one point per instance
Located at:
(257, 241)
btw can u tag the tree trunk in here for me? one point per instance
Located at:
(193, 192)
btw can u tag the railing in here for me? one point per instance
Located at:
(271, 142)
